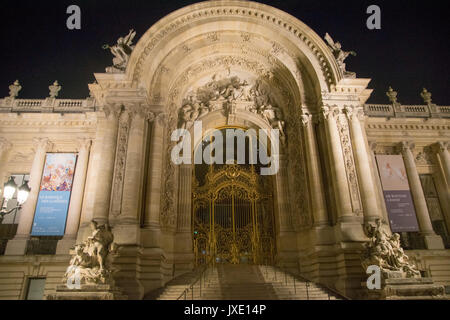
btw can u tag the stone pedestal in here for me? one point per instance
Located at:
(394, 287)
(65, 245)
(433, 241)
(87, 292)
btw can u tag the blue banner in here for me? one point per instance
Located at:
(54, 196)
(51, 213)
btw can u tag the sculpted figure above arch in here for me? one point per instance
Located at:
(121, 52)
(230, 93)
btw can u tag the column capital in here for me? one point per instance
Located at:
(353, 112)
(161, 118)
(405, 146)
(138, 109)
(126, 114)
(112, 110)
(148, 115)
(144, 111)
(306, 119)
(373, 146)
(84, 144)
(42, 144)
(131, 110)
(440, 146)
(329, 111)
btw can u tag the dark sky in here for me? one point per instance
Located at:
(410, 52)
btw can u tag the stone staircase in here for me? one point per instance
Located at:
(242, 282)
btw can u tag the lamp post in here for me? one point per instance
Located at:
(9, 191)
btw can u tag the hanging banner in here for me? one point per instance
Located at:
(54, 195)
(397, 195)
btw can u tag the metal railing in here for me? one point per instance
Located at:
(300, 279)
(190, 290)
(199, 283)
(200, 279)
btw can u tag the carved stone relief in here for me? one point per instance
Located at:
(300, 210)
(214, 95)
(119, 167)
(343, 128)
(229, 94)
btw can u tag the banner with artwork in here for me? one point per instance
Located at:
(54, 195)
(397, 195)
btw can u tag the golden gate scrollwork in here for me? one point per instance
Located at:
(233, 217)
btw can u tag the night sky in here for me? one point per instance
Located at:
(410, 52)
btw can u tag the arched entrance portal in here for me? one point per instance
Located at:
(233, 218)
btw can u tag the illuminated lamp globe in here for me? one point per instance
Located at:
(23, 193)
(10, 189)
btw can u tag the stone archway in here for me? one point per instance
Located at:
(182, 174)
(258, 44)
(268, 49)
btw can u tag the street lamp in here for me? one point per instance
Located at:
(9, 191)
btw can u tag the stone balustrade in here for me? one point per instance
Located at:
(406, 111)
(49, 105)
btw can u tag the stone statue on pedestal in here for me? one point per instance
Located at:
(340, 54)
(122, 52)
(399, 278)
(384, 250)
(55, 88)
(14, 89)
(89, 275)
(89, 262)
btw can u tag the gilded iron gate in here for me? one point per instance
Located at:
(233, 217)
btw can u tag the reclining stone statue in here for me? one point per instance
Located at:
(89, 265)
(384, 250)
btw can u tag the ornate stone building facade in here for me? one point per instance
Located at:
(282, 75)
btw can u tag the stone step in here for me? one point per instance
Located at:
(244, 282)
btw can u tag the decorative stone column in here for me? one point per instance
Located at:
(314, 173)
(128, 222)
(432, 241)
(286, 238)
(441, 148)
(184, 198)
(155, 170)
(5, 146)
(18, 245)
(368, 187)
(183, 253)
(100, 171)
(340, 183)
(76, 198)
(283, 208)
